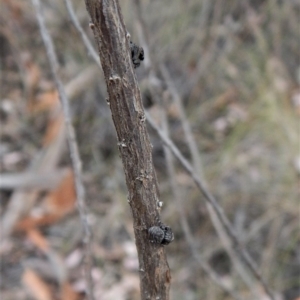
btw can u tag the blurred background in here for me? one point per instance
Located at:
(234, 65)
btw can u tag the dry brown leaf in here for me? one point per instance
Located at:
(68, 293)
(37, 287)
(38, 239)
(32, 76)
(45, 102)
(54, 127)
(58, 203)
(30, 222)
(62, 200)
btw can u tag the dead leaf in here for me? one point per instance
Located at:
(62, 201)
(58, 203)
(68, 293)
(30, 222)
(38, 239)
(46, 101)
(55, 125)
(32, 75)
(36, 286)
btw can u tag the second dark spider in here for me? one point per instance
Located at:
(137, 54)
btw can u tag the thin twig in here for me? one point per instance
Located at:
(235, 245)
(198, 169)
(34, 180)
(210, 198)
(74, 152)
(183, 220)
(185, 123)
(86, 41)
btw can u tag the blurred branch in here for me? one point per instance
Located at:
(212, 201)
(185, 123)
(136, 152)
(33, 180)
(177, 195)
(198, 170)
(84, 37)
(74, 152)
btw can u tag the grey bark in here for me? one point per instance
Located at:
(134, 144)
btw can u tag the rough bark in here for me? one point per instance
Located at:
(134, 145)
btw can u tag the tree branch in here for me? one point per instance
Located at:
(134, 145)
(72, 142)
(214, 204)
(84, 37)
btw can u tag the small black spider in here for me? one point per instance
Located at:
(161, 234)
(137, 54)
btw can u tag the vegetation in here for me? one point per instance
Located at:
(236, 70)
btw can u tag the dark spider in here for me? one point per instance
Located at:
(137, 54)
(161, 234)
